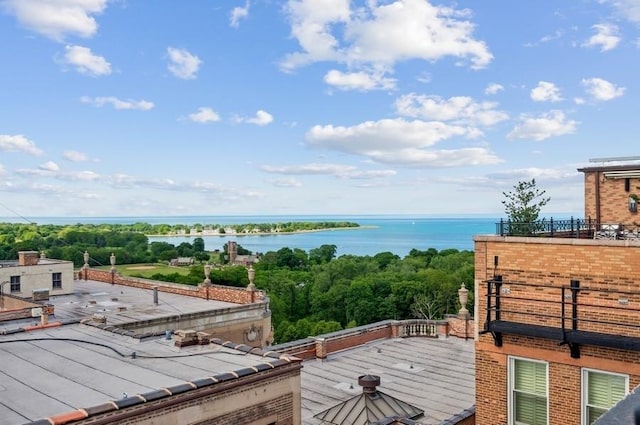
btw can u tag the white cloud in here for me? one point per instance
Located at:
(49, 166)
(629, 9)
(380, 35)
(183, 64)
(546, 92)
(362, 81)
(86, 62)
(238, 13)
(601, 89)
(493, 88)
(400, 142)
(262, 118)
(18, 143)
(579, 101)
(459, 109)
(551, 124)
(142, 105)
(75, 156)
(337, 170)
(204, 115)
(285, 183)
(606, 37)
(57, 18)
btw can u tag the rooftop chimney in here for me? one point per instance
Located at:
(28, 258)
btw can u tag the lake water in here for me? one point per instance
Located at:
(396, 235)
(378, 233)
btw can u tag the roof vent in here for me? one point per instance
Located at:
(369, 383)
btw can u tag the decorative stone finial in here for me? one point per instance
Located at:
(207, 274)
(463, 297)
(252, 275)
(112, 260)
(86, 260)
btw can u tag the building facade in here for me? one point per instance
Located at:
(35, 276)
(558, 313)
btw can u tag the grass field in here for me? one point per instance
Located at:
(147, 270)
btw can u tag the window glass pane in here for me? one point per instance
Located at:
(530, 409)
(530, 377)
(604, 390)
(529, 392)
(594, 413)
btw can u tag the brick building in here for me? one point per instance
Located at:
(558, 312)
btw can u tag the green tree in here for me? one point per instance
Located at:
(523, 206)
(323, 254)
(198, 245)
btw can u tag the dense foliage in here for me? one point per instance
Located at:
(310, 292)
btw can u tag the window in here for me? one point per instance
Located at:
(527, 392)
(600, 392)
(15, 283)
(56, 280)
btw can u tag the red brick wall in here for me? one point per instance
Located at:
(358, 338)
(461, 327)
(213, 292)
(612, 265)
(613, 198)
(28, 258)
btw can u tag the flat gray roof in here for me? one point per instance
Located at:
(436, 375)
(93, 297)
(61, 369)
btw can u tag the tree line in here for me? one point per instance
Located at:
(310, 292)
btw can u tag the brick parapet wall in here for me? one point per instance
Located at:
(322, 346)
(460, 326)
(14, 308)
(211, 292)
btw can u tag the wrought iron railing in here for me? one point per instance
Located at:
(571, 314)
(568, 228)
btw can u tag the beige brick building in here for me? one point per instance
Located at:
(558, 313)
(34, 272)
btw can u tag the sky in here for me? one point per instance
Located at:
(322, 107)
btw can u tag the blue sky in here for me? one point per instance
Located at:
(140, 108)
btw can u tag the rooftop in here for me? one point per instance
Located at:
(62, 369)
(121, 304)
(433, 374)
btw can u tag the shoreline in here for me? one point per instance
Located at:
(200, 235)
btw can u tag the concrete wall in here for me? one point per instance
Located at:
(39, 276)
(612, 265)
(246, 324)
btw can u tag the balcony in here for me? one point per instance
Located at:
(570, 314)
(575, 228)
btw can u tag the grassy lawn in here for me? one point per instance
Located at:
(147, 270)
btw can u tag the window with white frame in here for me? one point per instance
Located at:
(15, 284)
(600, 392)
(56, 280)
(528, 392)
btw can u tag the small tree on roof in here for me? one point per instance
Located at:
(523, 206)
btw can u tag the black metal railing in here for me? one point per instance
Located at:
(569, 314)
(568, 228)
